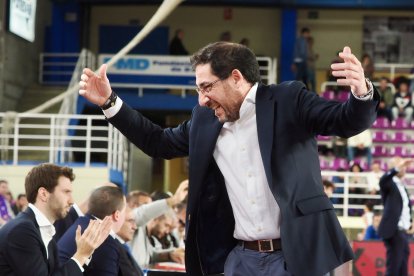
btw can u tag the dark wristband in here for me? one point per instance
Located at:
(110, 102)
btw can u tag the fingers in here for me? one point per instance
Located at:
(102, 71)
(78, 232)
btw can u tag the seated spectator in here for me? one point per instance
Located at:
(367, 218)
(368, 66)
(403, 103)
(387, 99)
(127, 263)
(137, 198)
(142, 250)
(374, 177)
(354, 180)
(20, 204)
(328, 187)
(26, 244)
(104, 201)
(75, 211)
(371, 231)
(360, 143)
(6, 212)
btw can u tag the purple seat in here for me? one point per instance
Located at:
(328, 94)
(399, 151)
(339, 163)
(343, 96)
(323, 163)
(379, 151)
(380, 136)
(399, 123)
(399, 137)
(381, 122)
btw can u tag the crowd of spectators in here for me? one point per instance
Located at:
(145, 228)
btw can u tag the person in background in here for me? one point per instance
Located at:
(6, 212)
(371, 232)
(245, 41)
(26, 244)
(137, 198)
(387, 99)
(403, 103)
(311, 65)
(361, 142)
(105, 201)
(368, 66)
(328, 187)
(176, 45)
(396, 218)
(225, 36)
(254, 174)
(300, 56)
(20, 204)
(127, 264)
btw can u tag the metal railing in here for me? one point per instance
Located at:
(334, 83)
(57, 68)
(350, 196)
(393, 68)
(39, 137)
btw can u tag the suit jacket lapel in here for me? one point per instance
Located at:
(265, 114)
(32, 217)
(205, 138)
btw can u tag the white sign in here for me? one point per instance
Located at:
(22, 15)
(150, 65)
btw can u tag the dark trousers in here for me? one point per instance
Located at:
(242, 262)
(397, 254)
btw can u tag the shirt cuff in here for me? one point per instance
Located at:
(112, 111)
(77, 262)
(369, 95)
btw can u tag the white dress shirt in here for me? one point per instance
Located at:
(237, 154)
(404, 222)
(47, 230)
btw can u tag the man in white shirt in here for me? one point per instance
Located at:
(396, 218)
(26, 244)
(256, 204)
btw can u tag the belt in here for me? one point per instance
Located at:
(262, 245)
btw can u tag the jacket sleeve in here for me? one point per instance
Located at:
(320, 116)
(385, 181)
(155, 141)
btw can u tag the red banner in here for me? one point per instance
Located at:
(370, 258)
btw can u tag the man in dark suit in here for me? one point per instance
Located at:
(26, 244)
(127, 263)
(396, 218)
(104, 201)
(255, 201)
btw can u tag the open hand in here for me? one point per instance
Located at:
(95, 87)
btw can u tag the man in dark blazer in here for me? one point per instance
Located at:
(396, 218)
(104, 201)
(26, 244)
(127, 263)
(255, 189)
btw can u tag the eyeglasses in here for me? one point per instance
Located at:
(207, 88)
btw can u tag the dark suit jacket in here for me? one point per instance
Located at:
(288, 118)
(127, 263)
(22, 251)
(105, 259)
(62, 225)
(393, 205)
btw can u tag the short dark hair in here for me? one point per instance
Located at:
(45, 175)
(104, 201)
(224, 57)
(328, 184)
(135, 194)
(20, 196)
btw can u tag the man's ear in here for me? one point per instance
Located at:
(236, 75)
(43, 194)
(115, 215)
